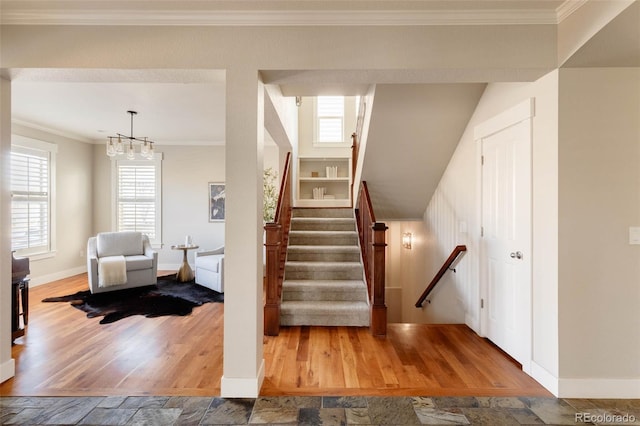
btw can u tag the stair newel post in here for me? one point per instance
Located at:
(273, 240)
(378, 307)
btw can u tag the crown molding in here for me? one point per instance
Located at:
(287, 18)
(51, 130)
(568, 7)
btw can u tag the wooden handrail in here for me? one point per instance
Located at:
(372, 245)
(354, 159)
(445, 267)
(283, 189)
(276, 242)
(367, 201)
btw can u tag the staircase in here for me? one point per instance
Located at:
(324, 277)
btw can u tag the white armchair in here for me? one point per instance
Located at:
(210, 269)
(131, 249)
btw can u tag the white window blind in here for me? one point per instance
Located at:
(330, 116)
(30, 200)
(136, 198)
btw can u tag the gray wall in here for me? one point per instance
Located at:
(83, 200)
(74, 206)
(599, 193)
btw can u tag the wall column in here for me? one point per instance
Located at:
(7, 366)
(243, 308)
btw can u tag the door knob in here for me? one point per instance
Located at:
(516, 255)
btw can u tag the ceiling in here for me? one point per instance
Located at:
(185, 108)
(616, 45)
(413, 133)
(94, 103)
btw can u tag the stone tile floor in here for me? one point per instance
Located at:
(157, 410)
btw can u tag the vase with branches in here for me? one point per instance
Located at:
(270, 200)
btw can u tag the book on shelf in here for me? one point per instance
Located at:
(319, 193)
(331, 171)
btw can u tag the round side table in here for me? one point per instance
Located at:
(185, 273)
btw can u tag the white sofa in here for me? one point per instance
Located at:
(141, 260)
(210, 269)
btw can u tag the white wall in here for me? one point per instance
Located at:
(186, 172)
(364, 138)
(73, 204)
(272, 159)
(406, 278)
(451, 217)
(599, 292)
(7, 365)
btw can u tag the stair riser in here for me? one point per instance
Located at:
(323, 275)
(324, 296)
(322, 212)
(333, 319)
(322, 226)
(323, 257)
(319, 240)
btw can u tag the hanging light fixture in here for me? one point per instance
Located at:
(118, 145)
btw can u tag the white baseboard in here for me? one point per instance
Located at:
(44, 279)
(546, 379)
(472, 323)
(7, 370)
(240, 387)
(599, 388)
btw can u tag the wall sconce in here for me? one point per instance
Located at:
(406, 240)
(298, 101)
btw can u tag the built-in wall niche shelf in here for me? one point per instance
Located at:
(324, 182)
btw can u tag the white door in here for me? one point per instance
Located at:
(506, 239)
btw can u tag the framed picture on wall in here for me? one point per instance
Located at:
(216, 201)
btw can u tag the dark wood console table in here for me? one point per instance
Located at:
(19, 307)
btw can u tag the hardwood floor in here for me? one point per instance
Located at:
(66, 354)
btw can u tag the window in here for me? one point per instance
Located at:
(330, 119)
(32, 196)
(138, 197)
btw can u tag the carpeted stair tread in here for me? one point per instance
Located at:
(319, 248)
(323, 233)
(325, 266)
(324, 290)
(322, 212)
(312, 253)
(323, 238)
(327, 313)
(306, 219)
(327, 306)
(323, 271)
(323, 224)
(323, 283)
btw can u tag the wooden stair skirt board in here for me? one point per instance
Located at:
(324, 277)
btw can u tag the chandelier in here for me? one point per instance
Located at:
(120, 144)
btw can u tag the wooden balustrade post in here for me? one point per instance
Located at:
(273, 240)
(378, 307)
